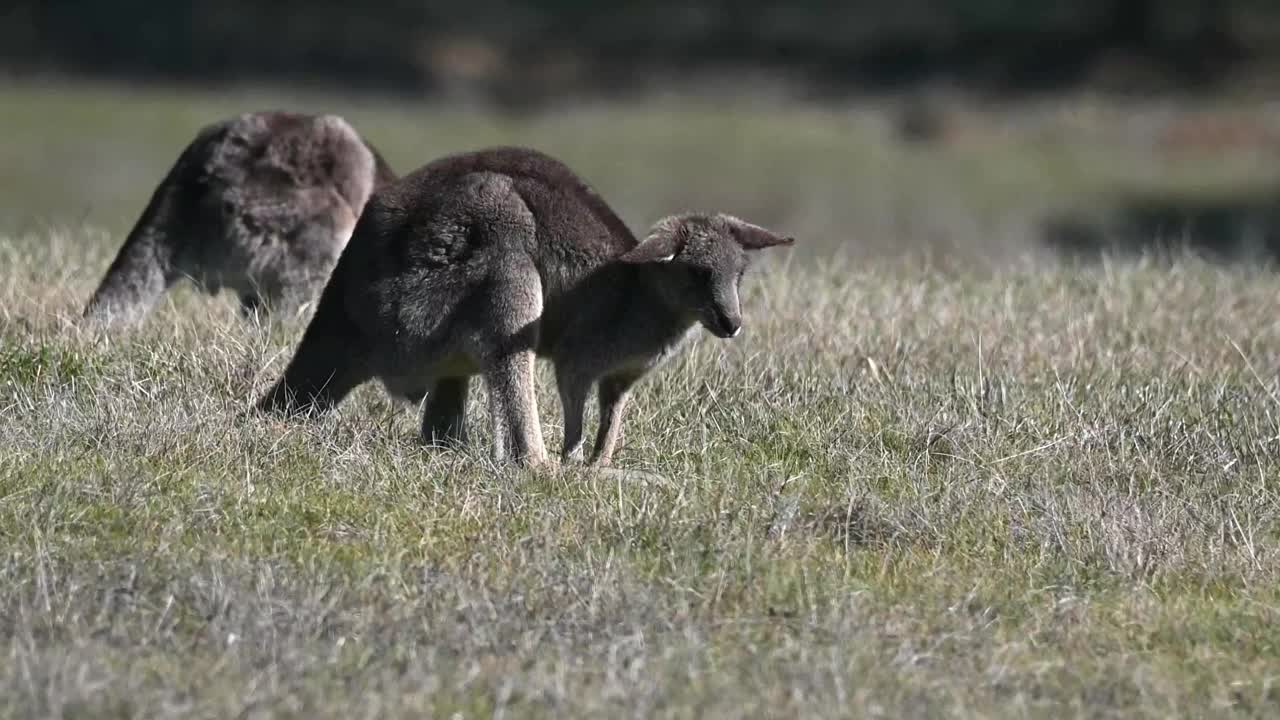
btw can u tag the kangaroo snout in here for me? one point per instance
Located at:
(724, 324)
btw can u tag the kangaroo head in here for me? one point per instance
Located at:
(699, 261)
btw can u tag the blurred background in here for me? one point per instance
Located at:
(969, 130)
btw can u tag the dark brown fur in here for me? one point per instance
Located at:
(478, 262)
(262, 203)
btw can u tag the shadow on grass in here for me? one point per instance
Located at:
(1240, 227)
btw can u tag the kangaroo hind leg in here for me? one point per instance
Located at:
(510, 337)
(444, 419)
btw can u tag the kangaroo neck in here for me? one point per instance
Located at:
(647, 305)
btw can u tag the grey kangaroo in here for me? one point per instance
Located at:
(261, 203)
(479, 262)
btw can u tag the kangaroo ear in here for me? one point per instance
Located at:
(754, 237)
(662, 245)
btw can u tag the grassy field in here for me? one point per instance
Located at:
(908, 490)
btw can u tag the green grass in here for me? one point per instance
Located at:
(904, 491)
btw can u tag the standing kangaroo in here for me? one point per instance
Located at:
(262, 204)
(479, 262)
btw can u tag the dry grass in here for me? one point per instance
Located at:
(901, 493)
(1034, 491)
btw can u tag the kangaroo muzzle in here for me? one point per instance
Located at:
(723, 322)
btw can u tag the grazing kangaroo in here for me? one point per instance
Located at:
(262, 204)
(479, 262)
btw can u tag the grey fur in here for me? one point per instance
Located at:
(261, 204)
(479, 262)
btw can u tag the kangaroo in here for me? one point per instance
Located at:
(479, 262)
(261, 203)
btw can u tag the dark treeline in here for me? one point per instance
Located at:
(557, 45)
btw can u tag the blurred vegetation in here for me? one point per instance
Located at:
(1082, 172)
(529, 50)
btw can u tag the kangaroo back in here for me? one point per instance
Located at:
(262, 204)
(144, 267)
